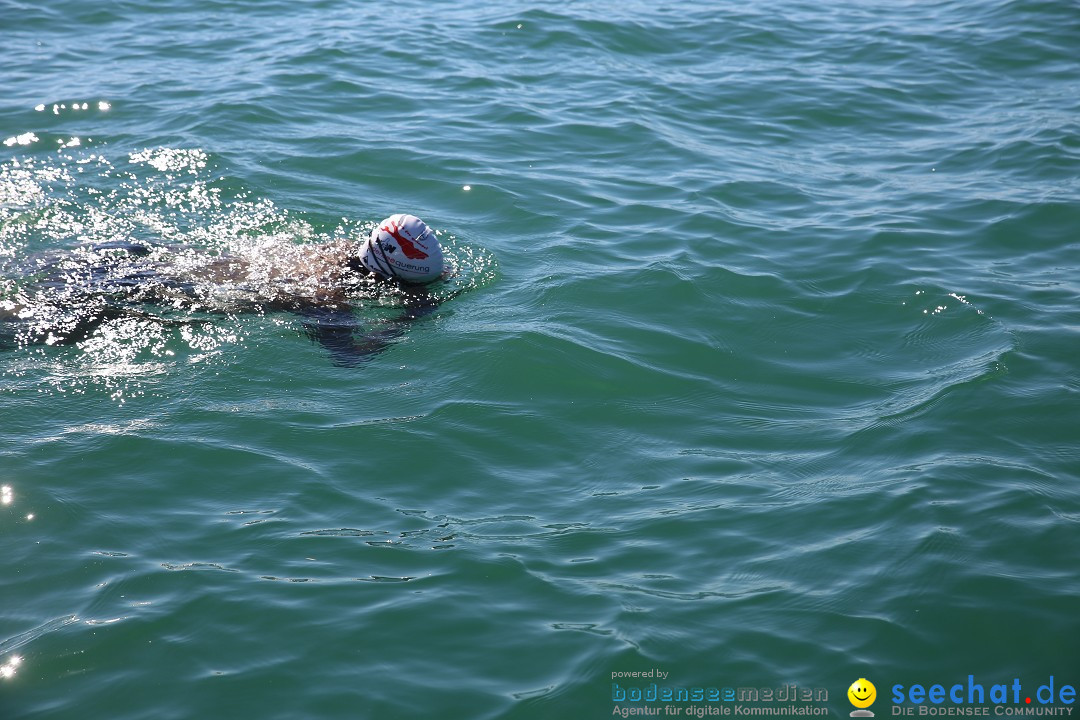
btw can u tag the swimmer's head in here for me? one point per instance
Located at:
(402, 247)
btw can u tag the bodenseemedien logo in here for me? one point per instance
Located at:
(862, 694)
(677, 700)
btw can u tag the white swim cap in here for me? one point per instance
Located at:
(402, 247)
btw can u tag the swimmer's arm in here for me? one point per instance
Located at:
(337, 330)
(344, 347)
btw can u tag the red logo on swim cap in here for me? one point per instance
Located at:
(411, 251)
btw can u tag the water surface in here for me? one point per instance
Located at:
(762, 369)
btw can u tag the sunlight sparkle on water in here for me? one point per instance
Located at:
(8, 669)
(24, 139)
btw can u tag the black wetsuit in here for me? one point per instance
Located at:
(73, 294)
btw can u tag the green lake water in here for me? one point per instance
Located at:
(760, 369)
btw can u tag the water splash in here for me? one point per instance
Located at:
(138, 263)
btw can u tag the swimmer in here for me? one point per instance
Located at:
(78, 292)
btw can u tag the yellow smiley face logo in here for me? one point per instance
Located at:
(862, 693)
